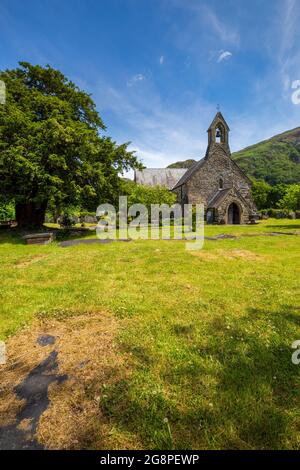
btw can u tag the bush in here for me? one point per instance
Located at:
(66, 221)
(263, 214)
(7, 211)
(278, 213)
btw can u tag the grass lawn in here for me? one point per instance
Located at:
(202, 339)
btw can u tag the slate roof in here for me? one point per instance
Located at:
(222, 193)
(189, 173)
(218, 197)
(159, 176)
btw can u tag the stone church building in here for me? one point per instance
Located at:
(216, 180)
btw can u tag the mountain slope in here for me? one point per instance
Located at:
(276, 160)
(184, 164)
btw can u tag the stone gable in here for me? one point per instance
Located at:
(217, 181)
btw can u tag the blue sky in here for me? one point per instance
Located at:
(158, 68)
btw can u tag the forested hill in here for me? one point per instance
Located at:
(183, 164)
(276, 160)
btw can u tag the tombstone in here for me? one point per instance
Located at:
(210, 216)
(38, 238)
(2, 353)
(89, 219)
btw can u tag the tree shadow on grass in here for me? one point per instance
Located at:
(11, 236)
(283, 227)
(15, 237)
(239, 391)
(258, 386)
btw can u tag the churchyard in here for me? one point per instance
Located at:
(150, 346)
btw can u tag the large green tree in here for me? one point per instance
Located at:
(52, 146)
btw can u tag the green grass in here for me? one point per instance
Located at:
(208, 334)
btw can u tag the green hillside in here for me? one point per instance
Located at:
(184, 164)
(276, 160)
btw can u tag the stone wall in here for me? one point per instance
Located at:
(204, 183)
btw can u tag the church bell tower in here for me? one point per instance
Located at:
(218, 134)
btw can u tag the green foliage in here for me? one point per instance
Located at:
(267, 196)
(291, 199)
(275, 160)
(277, 213)
(148, 195)
(276, 193)
(50, 143)
(260, 193)
(7, 210)
(66, 221)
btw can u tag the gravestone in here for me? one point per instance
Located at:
(2, 353)
(39, 238)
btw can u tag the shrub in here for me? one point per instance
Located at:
(66, 221)
(277, 213)
(7, 211)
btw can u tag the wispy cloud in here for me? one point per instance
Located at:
(160, 133)
(135, 79)
(161, 59)
(224, 55)
(202, 29)
(288, 50)
(225, 32)
(209, 17)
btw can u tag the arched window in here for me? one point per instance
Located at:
(219, 134)
(221, 183)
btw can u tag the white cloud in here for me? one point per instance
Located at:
(224, 31)
(139, 77)
(161, 59)
(224, 55)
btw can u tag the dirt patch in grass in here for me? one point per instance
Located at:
(228, 254)
(243, 254)
(30, 260)
(85, 359)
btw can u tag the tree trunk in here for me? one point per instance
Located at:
(31, 214)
